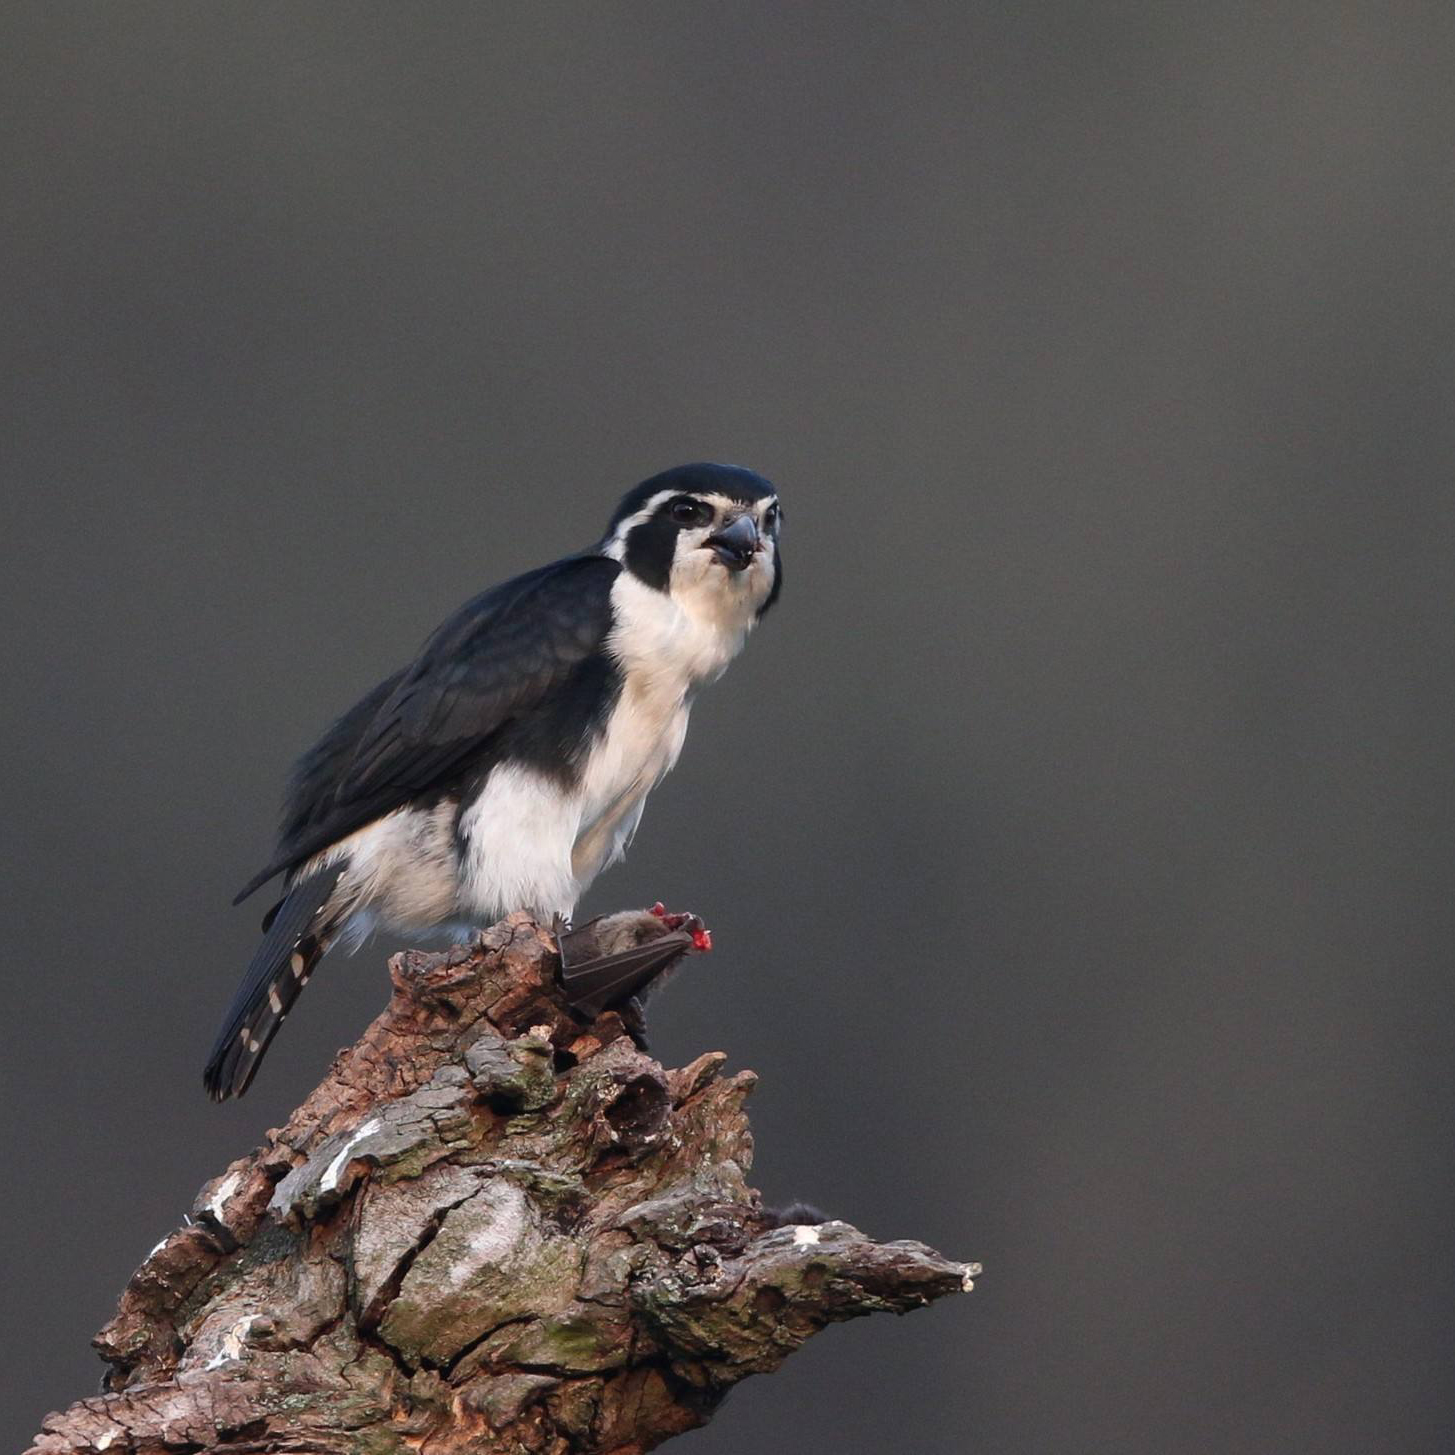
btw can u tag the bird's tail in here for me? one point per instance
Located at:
(297, 933)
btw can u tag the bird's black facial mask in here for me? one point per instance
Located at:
(651, 547)
(678, 526)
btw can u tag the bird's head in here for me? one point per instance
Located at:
(705, 534)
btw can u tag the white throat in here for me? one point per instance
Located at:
(680, 639)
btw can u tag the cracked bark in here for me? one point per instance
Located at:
(489, 1228)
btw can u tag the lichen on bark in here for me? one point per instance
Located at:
(489, 1228)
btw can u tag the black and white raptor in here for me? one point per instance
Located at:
(508, 763)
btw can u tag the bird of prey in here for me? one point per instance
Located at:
(508, 763)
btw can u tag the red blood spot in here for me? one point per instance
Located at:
(702, 939)
(660, 910)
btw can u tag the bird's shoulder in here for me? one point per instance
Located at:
(499, 653)
(560, 610)
(495, 656)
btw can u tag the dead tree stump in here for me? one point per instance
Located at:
(489, 1229)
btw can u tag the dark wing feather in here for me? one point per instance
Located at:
(495, 659)
(316, 774)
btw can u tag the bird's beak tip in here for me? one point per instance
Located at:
(737, 543)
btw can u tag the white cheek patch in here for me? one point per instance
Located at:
(727, 601)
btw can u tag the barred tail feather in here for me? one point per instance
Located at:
(295, 940)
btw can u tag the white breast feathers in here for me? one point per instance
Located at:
(531, 843)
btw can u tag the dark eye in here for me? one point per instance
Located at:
(687, 511)
(771, 517)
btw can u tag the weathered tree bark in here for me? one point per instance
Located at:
(489, 1229)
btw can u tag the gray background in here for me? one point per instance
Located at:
(1077, 832)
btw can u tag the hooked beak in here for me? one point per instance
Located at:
(736, 543)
